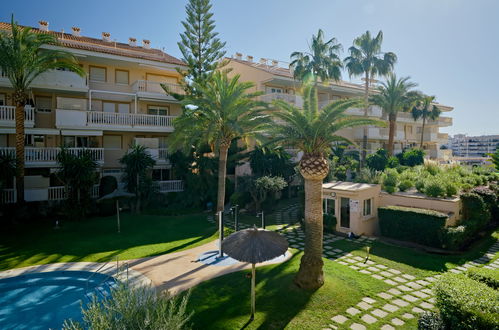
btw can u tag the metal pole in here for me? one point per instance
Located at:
(253, 278)
(263, 220)
(221, 233)
(234, 210)
(118, 214)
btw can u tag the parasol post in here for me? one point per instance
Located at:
(118, 213)
(221, 233)
(253, 278)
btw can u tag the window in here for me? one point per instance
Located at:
(276, 90)
(34, 140)
(43, 104)
(79, 141)
(367, 207)
(161, 174)
(121, 77)
(116, 107)
(98, 74)
(112, 141)
(329, 206)
(158, 110)
(2, 99)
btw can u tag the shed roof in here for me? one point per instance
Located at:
(347, 186)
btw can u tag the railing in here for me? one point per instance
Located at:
(9, 196)
(57, 193)
(8, 113)
(36, 155)
(163, 154)
(128, 119)
(170, 186)
(291, 98)
(145, 86)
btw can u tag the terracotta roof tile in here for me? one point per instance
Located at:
(101, 46)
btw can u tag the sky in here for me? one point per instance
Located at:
(449, 47)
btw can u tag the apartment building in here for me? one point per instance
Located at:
(276, 82)
(119, 102)
(473, 150)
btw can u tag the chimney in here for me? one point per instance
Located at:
(106, 36)
(249, 58)
(238, 56)
(275, 62)
(132, 42)
(146, 44)
(76, 31)
(263, 61)
(44, 25)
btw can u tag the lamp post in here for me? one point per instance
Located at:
(221, 233)
(260, 214)
(234, 213)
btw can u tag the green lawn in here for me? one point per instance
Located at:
(224, 302)
(96, 239)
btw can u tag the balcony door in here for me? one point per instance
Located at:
(345, 212)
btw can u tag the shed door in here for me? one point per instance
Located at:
(345, 212)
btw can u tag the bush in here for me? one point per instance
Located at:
(393, 162)
(490, 277)
(450, 189)
(367, 175)
(240, 198)
(465, 303)
(140, 308)
(413, 157)
(330, 222)
(378, 160)
(406, 185)
(430, 321)
(411, 224)
(475, 211)
(420, 185)
(490, 198)
(454, 238)
(390, 180)
(434, 188)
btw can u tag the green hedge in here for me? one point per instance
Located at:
(465, 303)
(411, 224)
(487, 276)
(329, 222)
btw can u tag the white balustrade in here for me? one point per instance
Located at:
(8, 113)
(9, 196)
(170, 186)
(37, 155)
(128, 119)
(163, 153)
(146, 86)
(57, 193)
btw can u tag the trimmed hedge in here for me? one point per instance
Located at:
(329, 222)
(487, 276)
(465, 303)
(412, 224)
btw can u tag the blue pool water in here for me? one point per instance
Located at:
(45, 300)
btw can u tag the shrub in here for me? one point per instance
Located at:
(487, 276)
(413, 157)
(431, 167)
(465, 303)
(411, 224)
(430, 321)
(240, 198)
(378, 160)
(434, 188)
(420, 185)
(392, 162)
(405, 185)
(367, 175)
(474, 207)
(450, 189)
(139, 308)
(489, 197)
(329, 222)
(453, 238)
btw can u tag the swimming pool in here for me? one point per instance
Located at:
(44, 300)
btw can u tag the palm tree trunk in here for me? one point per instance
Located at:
(19, 115)
(422, 133)
(392, 117)
(137, 205)
(222, 173)
(310, 274)
(365, 129)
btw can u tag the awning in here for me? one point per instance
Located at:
(72, 132)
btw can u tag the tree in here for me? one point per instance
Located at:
(138, 162)
(366, 59)
(495, 158)
(224, 110)
(7, 170)
(313, 132)
(394, 95)
(378, 160)
(321, 62)
(22, 59)
(199, 45)
(425, 109)
(78, 173)
(262, 186)
(271, 161)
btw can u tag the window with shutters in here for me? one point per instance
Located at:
(158, 110)
(122, 77)
(43, 104)
(98, 73)
(112, 141)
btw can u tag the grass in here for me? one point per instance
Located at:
(96, 239)
(224, 302)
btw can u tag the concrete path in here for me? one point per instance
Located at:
(180, 271)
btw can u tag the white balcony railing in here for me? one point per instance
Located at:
(128, 119)
(8, 196)
(291, 98)
(8, 114)
(163, 154)
(49, 155)
(146, 86)
(57, 193)
(170, 186)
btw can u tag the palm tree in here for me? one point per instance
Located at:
(313, 132)
(137, 163)
(22, 59)
(394, 95)
(366, 59)
(224, 111)
(321, 62)
(425, 109)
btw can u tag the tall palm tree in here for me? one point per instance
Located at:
(22, 59)
(366, 59)
(321, 62)
(425, 109)
(394, 95)
(224, 111)
(313, 132)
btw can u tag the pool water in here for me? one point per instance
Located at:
(45, 300)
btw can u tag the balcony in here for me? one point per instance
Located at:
(290, 98)
(39, 157)
(76, 119)
(57, 193)
(55, 79)
(373, 111)
(170, 186)
(153, 90)
(8, 118)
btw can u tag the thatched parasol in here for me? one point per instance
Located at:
(116, 195)
(254, 246)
